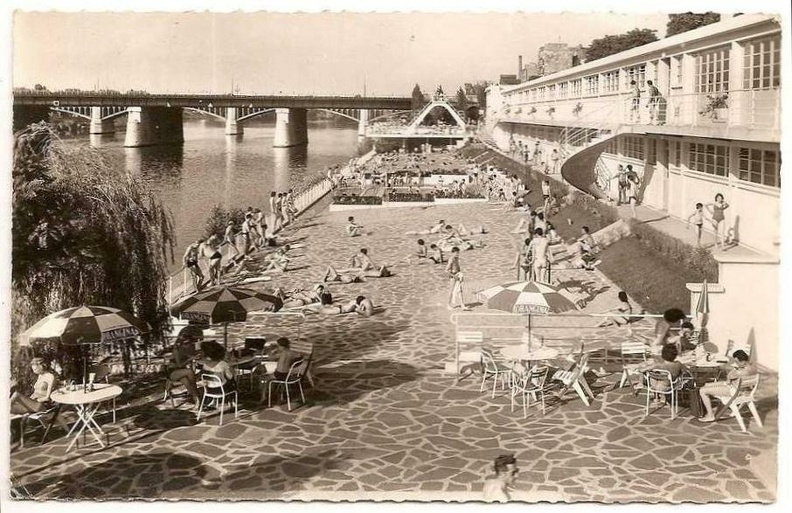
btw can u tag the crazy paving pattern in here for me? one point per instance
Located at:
(385, 422)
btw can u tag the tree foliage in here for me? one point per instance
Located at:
(481, 95)
(417, 98)
(610, 45)
(461, 99)
(679, 23)
(84, 233)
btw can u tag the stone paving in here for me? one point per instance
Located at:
(385, 422)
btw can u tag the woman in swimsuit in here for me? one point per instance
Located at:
(716, 211)
(211, 250)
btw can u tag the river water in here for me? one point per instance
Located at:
(233, 172)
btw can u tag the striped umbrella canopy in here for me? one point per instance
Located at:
(85, 325)
(224, 304)
(702, 307)
(526, 297)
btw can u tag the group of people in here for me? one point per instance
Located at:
(716, 212)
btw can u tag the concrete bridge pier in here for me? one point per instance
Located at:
(98, 125)
(291, 127)
(153, 126)
(363, 122)
(233, 127)
(25, 115)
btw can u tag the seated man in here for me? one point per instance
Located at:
(435, 254)
(721, 389)
(588, 243)
(353, 229)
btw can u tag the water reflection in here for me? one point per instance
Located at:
(285, 161)
(99, 140)
(232, 143)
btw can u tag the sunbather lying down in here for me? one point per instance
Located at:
(297, 298)
(361, 305)
(354, 274)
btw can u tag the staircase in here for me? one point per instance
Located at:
(582, 144)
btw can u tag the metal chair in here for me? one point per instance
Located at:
(212, 381)
(297, 371)
(39, 417)
(653, 380)
(744, 394)
(528, 386)
(490, 367)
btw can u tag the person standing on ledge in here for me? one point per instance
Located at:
(496, 488)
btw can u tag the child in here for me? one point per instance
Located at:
(697, 218)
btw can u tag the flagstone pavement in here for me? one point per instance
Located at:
(385, 421)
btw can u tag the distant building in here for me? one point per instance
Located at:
(551, 58)
(508, 80)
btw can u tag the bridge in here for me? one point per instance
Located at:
(154, 119)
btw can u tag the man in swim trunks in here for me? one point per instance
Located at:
(540, 255)
(353, 229)
(190, 261)
(230, 237)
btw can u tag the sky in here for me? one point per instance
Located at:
(316, 53)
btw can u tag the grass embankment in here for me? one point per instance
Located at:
(653, 271)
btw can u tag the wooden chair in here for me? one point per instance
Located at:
(743, 394)
(574, 378)
(633, 358)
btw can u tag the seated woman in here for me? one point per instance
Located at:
(669, 354)
(39, 400)
(278, 261)
(214, 363)
(178, 367)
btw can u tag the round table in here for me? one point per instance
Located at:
(523, 353)
(86, 404)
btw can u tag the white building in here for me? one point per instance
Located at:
(714, 129)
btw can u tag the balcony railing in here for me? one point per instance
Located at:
(748, 109)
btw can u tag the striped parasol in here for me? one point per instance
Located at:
(85, 325)
(224, 305)
(526, 297)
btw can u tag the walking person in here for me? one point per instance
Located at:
(716, 211)
(280, 204)
(653, 103)
(632, 193)
(555, 158)
(211, 251)
(230, 238)
(622, 180)
(190, 261)
(541, 256)
(697, 219)
(274, 211)
(246, 233)
(259, 228)
(497, 487)
(456, 293)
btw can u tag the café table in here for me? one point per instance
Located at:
(529, 354)
(86, 403)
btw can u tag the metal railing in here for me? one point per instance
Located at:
(180, 282)
(744, 108)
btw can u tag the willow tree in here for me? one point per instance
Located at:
(84, 233)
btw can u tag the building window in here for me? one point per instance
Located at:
(651, 157)
(610, 82)
(759, 166)
(637, 73)
(575, 88)
(677, 159)
(634, 147)
(551, 91)
(762, 64)
(712, 71)
(541, 93)
(712, 159)
(676, 71)
(592, 85)
(563, 89)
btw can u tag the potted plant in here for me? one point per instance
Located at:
(578, 108)
(716, 107)
(550, 111)
(533, 109)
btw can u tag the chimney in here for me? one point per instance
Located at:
(519, 68)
